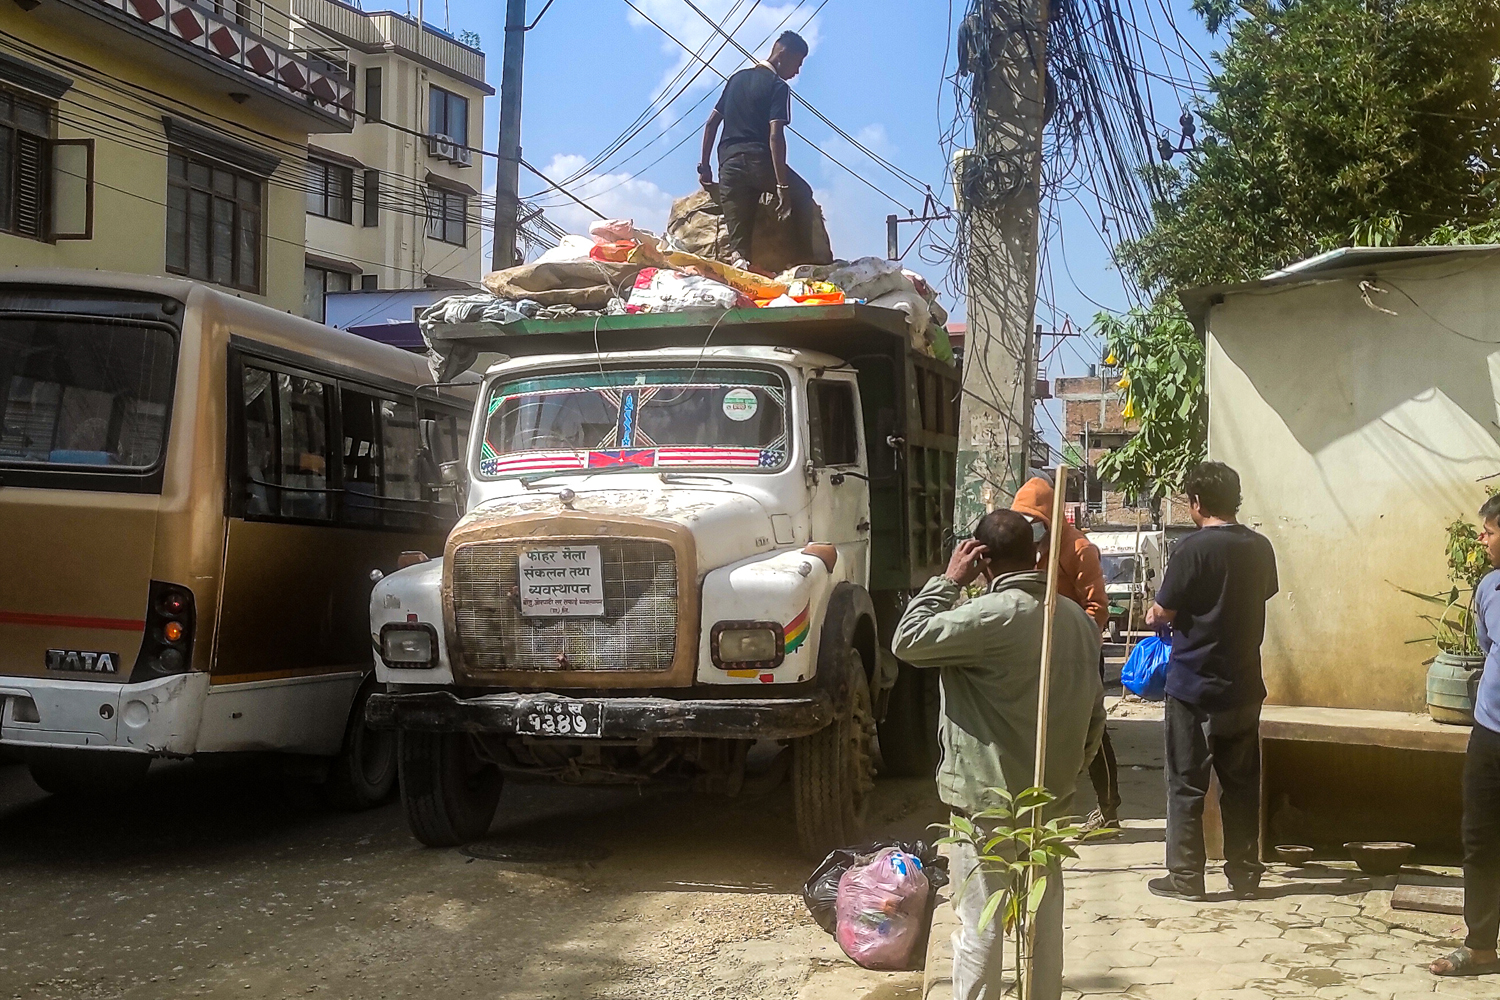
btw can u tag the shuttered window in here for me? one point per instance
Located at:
(25, 130)
(213, 222)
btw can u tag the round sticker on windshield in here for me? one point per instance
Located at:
(740, 404)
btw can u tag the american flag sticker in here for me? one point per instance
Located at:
(740, 457)
(532, 461)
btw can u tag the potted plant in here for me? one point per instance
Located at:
(1453, 677)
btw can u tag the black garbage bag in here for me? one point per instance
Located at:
(821, 890)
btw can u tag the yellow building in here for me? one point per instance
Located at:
(394, 204)
(162, 137)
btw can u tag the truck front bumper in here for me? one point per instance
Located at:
(620, 718)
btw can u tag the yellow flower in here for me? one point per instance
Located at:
(1129, 410)
(1111, 360)
(1124, 382)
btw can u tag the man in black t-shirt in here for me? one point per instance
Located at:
(754, 109)
(1214, 597)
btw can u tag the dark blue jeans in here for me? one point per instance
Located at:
(1228, 743)
(1482, 839)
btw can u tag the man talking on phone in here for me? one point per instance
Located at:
(989, 652)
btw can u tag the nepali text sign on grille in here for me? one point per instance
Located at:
(562, 581)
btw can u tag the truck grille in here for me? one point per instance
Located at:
(637, 632)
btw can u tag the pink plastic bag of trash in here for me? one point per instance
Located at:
(882, 907)
(612, 230)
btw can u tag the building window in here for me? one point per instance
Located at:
(372, 94)
(447, 212)
(449, 116)
(369, 282)
(317, 282)
(213, 222)
(25, 128)
(372, 198)
(330, 191)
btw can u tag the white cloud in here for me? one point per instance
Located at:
(618, 195)
(763, 23)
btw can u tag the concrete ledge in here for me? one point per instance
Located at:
(1397, 730)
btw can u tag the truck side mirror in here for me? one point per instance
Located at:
(427, 463)
(1150, 574)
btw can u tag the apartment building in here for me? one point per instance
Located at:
(162, 137)
(393, 203)
(1094, 421)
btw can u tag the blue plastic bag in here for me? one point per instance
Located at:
(1145, 673)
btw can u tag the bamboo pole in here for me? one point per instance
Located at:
(1043, 697)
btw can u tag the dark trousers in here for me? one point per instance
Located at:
(1482, 839)
(1104, 773)
(743, 178)
(1228, 743)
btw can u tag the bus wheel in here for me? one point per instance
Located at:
(833, 771)
(85, 772)
(909, 734)
(450, 794)
(363, 775)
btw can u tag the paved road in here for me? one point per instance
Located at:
(225, 881)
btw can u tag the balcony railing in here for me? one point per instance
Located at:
(254, 37)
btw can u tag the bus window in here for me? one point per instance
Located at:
(82, 392)
(286, 445)
(380, 461)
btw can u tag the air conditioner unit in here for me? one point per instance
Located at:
(444, 148)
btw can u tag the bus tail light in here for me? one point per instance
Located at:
(167, 646)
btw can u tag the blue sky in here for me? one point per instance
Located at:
(877, 69)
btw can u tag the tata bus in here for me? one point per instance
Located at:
(196, 492)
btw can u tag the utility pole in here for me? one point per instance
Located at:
(508, 166)
(1000, 184)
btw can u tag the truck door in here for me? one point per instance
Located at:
(841, 494)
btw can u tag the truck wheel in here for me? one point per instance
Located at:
(449, 792)
(909, 735)
(363, 775)
(833, 772)
(85, 772)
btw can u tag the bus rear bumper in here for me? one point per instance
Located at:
(619, 718)
(157, 717)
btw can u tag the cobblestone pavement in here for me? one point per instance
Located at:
(1325, 931)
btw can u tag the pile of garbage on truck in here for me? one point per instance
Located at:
(618, 269)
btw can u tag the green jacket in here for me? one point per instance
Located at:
(989, 650)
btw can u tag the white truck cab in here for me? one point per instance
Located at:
(667, 554)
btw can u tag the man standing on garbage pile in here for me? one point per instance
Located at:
(1080, 578)
(1214, 598)
(755, 109)
(989, 651)
(1481, 823)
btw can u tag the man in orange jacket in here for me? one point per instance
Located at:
(1081, 579)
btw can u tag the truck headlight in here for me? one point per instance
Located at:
(409, 645)
(747, 644)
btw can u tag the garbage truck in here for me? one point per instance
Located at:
(684, 534)
(1133, 563)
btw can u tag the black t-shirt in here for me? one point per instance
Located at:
(1218, 581)
(752, 99)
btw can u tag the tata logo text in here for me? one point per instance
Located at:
(82, 661)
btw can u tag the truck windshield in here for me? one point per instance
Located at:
(648, 417)
(83, 392)
(1118, 569)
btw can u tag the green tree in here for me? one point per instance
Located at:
(1160, 358)
(1328, 122)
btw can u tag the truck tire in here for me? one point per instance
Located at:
(85, 772)
(909, 744)
(450, 794)
(363, 775)
(833, 772)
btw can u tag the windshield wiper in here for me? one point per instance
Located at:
(537, 477)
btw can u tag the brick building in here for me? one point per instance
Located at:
(1093, 423)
